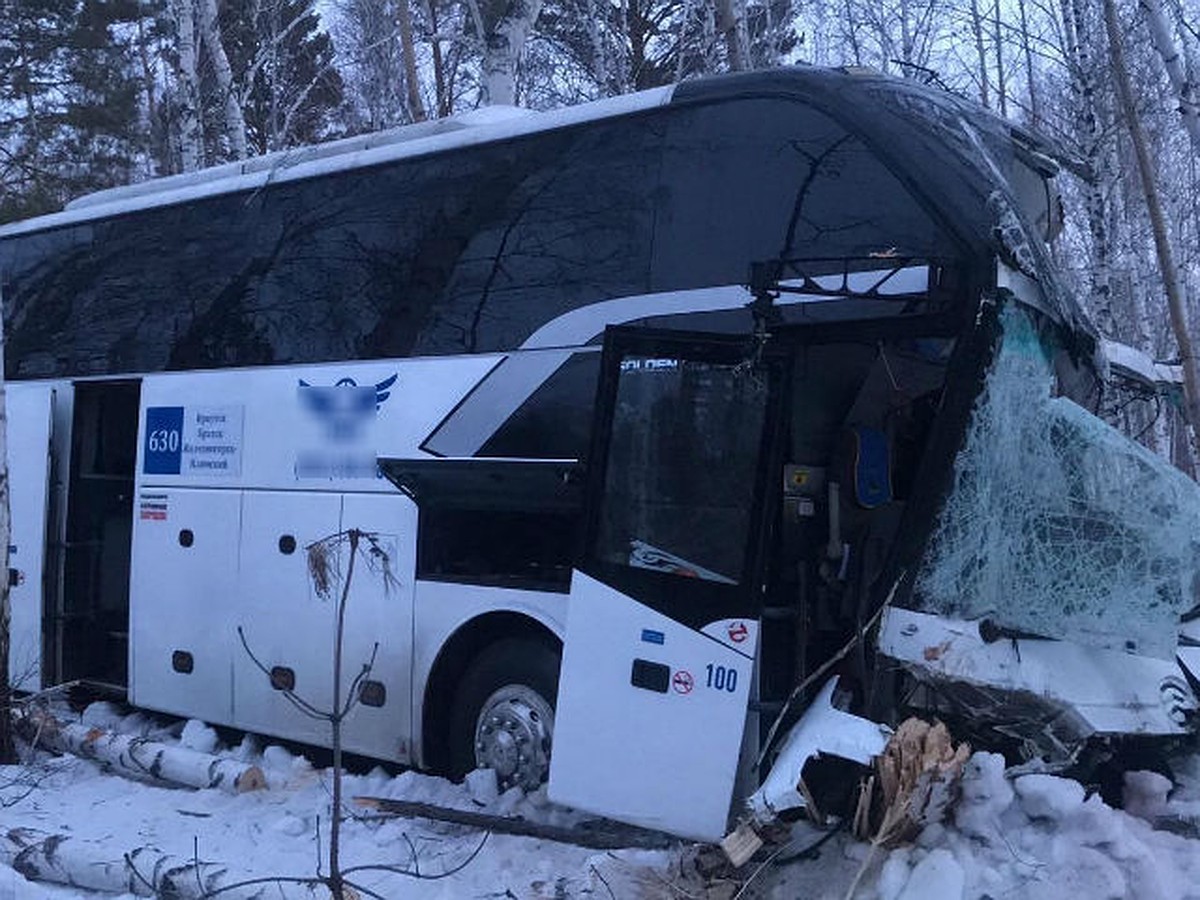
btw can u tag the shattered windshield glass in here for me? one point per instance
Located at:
(1057, 524)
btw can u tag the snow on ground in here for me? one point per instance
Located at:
(275, 832)
(1032, 836)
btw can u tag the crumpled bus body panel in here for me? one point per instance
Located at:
(1049, 599)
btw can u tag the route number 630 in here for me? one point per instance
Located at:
(163, 440)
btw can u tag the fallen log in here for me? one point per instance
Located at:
(595, 838)
(144, 871)
(141, 758)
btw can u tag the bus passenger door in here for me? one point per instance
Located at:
(30, 413)
(662, 624)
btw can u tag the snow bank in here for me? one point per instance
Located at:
(280, 832)
(1040, 836)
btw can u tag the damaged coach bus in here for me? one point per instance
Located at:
(652, 406)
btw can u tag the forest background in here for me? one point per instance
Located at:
(97, 93)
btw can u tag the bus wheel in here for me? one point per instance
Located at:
(503, 715)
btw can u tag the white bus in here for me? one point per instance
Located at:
(651, 403)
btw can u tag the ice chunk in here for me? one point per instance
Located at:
(985, 795)
(1057, 525)
(482, 786)
(1145, 794)
(1048, 796)
(936, 877)
(198, 736)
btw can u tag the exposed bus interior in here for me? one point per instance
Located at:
(494, 522)
(859, 416)
(91, 621)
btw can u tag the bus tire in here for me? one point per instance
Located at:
(503, 713)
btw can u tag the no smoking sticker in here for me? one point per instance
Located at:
(738, 632)
(683, 682)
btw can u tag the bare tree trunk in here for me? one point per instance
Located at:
(1186, 91)
(852, 29)
(416, 109)
(1001, 86)
(336, 881)
(191, 136)
(235, 122)
(274, 132)
(731, 22)
(439, 63)
(1035, 116)
(906, 36)
(599, 58)
(142, 871)
(980, 51)
(1093, 144)
(1162, 244)
(162, 164)
(135, 757)
(507, 24)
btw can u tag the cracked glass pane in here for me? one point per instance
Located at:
(1057, 524)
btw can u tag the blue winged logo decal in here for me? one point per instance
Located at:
(382, 390)
(345, 406)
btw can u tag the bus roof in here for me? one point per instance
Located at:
(475, 127)
(895, 170)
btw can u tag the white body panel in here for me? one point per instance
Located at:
(379, 611)
(275, 438)
(441, 609)
(30, 409)
(1112, 692)
(678, 775)
(187, 601)
(229, 456)
(285, 623)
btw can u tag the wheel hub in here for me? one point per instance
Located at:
(512, 737)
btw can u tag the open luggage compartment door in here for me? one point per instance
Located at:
(662, 626)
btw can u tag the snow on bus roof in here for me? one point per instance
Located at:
(1133, 363)
(478, 126)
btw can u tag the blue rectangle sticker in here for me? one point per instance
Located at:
(163, 447)
(653, 637)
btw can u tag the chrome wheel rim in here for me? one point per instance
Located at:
(512, 737)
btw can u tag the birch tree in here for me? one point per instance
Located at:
(505, 26)
(1094, 142)
(234, 129)
(1026, 47)
(731, 22)
(1183, 82)
(187, 86)
(980, 52)
(416, 109)
(1162, 243)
